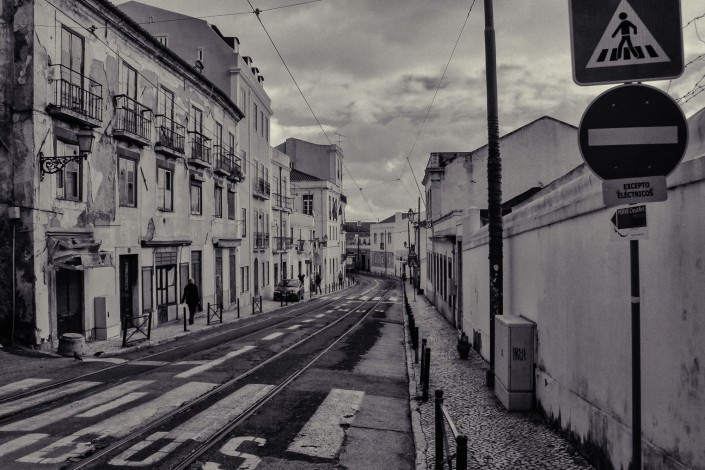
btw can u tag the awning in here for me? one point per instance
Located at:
(165, 242)
(79, 261)
(226, 242)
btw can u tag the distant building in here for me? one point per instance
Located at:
(320, 193)
(357, 245)
(391, 239)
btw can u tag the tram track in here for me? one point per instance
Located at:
(99, 458)
(273, 320)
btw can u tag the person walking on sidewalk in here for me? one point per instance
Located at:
(192, 299)
(318, 283)
(340, 279)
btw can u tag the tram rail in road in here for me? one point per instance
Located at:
(175, 431)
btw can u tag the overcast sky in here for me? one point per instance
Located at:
(370, 68)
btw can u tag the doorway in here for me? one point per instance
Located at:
(256, 277)
(69, 301)
(129, 299)
(219, 277)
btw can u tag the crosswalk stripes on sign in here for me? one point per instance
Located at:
(626, 41)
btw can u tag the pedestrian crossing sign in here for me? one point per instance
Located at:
(615, 41)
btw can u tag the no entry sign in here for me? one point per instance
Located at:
(633, 131)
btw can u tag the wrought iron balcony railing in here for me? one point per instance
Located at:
(261, 240)
(261, 187)
(282, 243)
(170, 134)
(78, 94)
(200, 147)
(283, 202)
(132, 117)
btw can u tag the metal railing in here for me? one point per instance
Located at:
(261, 240)
(132, 117)
(443, 454)
(75, 92)
(170, 134)
(284, 202)
(221, 159)
(256, 304)
(282, 243)
(261, 187)
(214, 311)
(138, 325)
(200, 147)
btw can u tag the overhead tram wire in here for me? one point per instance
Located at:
(428, 110)
(257, 12)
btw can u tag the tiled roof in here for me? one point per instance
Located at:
(297, 175)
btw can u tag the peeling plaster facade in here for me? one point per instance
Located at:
(113, 236)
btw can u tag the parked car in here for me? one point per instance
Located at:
(289, 289)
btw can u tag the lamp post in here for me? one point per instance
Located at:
(57, 163)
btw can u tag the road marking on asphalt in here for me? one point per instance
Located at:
(98, 410)
(111, 360)
(328, 311)
(149, 363)
(294, 327)
(320, 315)
(376, 298)
(199, 428)
(76, 407)
(23, 384)
(364, 297)
(214, 363)
(272, 336)
(306, 321)
(393, 299)
(21, 442)
(189, 363)
(119, 425)
(323, 434)
(49, 395)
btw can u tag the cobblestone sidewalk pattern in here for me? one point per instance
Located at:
(497, 439)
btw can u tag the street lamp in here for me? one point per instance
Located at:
(57, 163)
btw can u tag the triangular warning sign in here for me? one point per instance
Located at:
(626, 41)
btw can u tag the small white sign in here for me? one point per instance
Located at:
(619, 192)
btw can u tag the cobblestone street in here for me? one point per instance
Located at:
(497, 439)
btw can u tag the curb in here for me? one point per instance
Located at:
(420, 442)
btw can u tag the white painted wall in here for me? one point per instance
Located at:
(563, 271)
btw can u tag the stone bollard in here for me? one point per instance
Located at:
(71, 343)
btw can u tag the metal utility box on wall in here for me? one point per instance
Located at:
(514, 362)
(106, 326)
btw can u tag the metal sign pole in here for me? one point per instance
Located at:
(636, 355)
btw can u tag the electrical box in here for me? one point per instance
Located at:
(106, 325)
(514, 362)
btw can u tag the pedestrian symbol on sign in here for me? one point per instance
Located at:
(626, 41)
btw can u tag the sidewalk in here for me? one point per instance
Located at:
(175, 329)
(497, 439)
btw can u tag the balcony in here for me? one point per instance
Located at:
(282, 202)
(261, 240)
(221, 164)
(236, 173)
(133, 121)
(200, 149)
(260, 188)
(282, 244)
(76, 98)
(170, 137)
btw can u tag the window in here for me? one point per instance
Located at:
(68, 179)
(243, 98)
(261, 119)
(231, 205)
(374, 238)
(244, 223)
(218, 201)
(162, 40)
(128, 81)
(308, 204)
(166, 105)
(244, 278)
(266, 129)
(233, 276)
(196, 198)
(197, 120)
(127, 174)
(166, 285)
(72, 57)
(231, 143)
(255, 114)
(199, 54)
(165, 197)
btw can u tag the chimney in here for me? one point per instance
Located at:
(255, 70)
(247, 59)
(260, 78)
